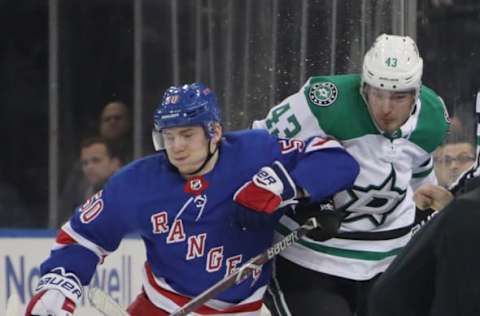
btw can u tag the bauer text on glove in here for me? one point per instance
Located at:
(57, 294)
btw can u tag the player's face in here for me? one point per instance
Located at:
(187, 147)
(115, 121)
(451, 160)
(389, 109)
(97, 165)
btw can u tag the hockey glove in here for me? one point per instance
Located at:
(328, 218)
(270, 189)
(255, 221)
(256, 201)
(57, 294)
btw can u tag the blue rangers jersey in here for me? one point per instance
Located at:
(188, 225)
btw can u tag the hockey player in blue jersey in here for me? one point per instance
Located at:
(197, 204)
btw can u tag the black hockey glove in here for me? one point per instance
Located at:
(328, 218)
(255, 221)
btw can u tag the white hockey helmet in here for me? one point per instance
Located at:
(393, 63)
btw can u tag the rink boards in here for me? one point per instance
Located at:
(22, 251)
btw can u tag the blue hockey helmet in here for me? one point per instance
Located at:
(187, 105)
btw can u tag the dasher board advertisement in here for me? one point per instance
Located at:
(22, 251)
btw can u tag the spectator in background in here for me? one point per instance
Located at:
(116, 128)
(452, 159)
(98, 162)
(457, 153)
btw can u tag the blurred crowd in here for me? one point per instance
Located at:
(96, 74)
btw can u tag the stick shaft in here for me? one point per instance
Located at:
(104, 303)
(247, 269)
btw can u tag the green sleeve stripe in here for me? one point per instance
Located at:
(422, 174)
(346, 253)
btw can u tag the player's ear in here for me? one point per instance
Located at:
(218, 132)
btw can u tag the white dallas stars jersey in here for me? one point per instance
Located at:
(379, 208)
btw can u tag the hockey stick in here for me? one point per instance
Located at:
(247, 269)
(104, 303)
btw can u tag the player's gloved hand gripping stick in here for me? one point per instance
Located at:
(270, 189)
(57, 293)
(257, 201)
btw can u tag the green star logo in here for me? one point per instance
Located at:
(323, 93)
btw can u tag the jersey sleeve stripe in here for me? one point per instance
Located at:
(68, 230)
(166, 298)
(318, 143)
(423, 173)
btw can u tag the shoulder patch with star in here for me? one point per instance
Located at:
(323, 93)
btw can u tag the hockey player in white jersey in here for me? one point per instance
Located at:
(391, 124)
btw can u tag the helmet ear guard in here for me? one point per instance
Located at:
(157, 140)
(187, 105)
(393, 63)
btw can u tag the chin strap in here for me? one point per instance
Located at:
(209, 156)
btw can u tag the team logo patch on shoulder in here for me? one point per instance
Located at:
(323, 93)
